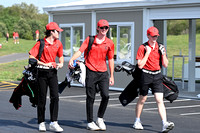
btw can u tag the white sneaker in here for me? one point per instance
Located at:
(55, 127)
(92, 126)
(42, 127)
(138, 125)
(101, 124)
(167, 127)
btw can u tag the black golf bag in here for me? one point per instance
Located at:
(28, 86)
(170, 89)
(131, 91)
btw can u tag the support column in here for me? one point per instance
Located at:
(192, 54)
(165, 41)
(146, 23)
(93, 28)
(50, 19)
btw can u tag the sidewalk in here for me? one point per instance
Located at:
(13, 57)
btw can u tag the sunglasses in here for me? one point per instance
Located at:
(104, 27)
(154, 36)
(57, 31)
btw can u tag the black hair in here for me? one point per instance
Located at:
(48, 33)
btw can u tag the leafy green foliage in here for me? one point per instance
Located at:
(3, 29)
(180, 27)
(23, 18)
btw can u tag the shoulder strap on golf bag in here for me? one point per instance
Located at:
(42, 43)
(91, 40)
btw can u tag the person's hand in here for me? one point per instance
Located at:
(111, 81)
(59, 65)
(70, 64)
(49, 64)
(148, 49)
(162, 49)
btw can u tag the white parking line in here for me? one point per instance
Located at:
(179, 107)
(98, 100)
(111, 99)
(196, 113)
(79, 96)
(113, 105)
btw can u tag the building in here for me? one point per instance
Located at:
(129, 20)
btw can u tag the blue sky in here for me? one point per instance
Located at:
(37, 3)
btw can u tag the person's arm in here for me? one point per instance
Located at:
(75, 56)
(143, 61)
(164, 56)
(111, 67)
(61, 61)
(164, 60)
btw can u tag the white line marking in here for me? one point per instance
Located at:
(113, 105)
(179, 107)
(197, 113)
(63, 97)
(98, 100)
(77, 96)
(113, 99)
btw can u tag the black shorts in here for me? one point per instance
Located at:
(153, 81)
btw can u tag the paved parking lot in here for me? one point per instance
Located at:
(184, 112)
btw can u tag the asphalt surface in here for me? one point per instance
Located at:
(184, 112)
(13, 57)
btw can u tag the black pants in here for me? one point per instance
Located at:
(92, 80)
(47, 78)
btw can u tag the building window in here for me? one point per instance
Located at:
(122, 34)
(72, 38)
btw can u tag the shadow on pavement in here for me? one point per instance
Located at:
(15, 123)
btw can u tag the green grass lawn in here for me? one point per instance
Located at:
(13, 71)
(9, 48)
(175, 46)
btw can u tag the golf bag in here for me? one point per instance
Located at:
(131, 91)
(78, 73)
(170, 89)
(27, 86)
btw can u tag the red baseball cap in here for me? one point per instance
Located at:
(53, 26)
(153, 31)
(102, 23)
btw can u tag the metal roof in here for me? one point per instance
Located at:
(101, 4)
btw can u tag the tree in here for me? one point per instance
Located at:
(177, 27)
(23, 18)
(3, 29)
(24, 29)
(36, 25)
